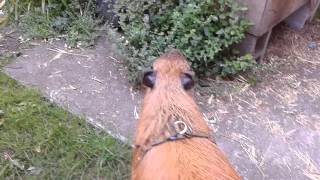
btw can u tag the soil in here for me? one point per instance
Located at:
(267, 121)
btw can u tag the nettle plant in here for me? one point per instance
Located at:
(203, 30)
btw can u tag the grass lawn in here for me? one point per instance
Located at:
(39, 140)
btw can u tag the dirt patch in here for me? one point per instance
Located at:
(272, 130)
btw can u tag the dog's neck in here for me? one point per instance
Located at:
(161, 109)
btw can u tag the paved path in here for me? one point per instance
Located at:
(89, 83)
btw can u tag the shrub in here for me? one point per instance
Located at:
(203, 30)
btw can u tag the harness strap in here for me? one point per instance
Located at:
(177, 137)
(180, 131)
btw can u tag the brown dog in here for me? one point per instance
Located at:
(172, 140)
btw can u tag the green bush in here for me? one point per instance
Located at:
(45, 19)
(203, 30)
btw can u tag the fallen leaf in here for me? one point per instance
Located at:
(34, 170)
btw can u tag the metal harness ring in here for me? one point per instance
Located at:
(185, 127)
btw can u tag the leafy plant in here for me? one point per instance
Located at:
(203, 30)
(37, 25)
(243, 63)
(64, 18)
(81, 32)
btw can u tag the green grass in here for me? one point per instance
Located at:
(39, 140)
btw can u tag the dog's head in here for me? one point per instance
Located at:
(171, 70)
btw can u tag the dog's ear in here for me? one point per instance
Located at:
(187, 81)
(149, 79)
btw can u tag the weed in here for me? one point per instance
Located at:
(242, 63)
(5, 58)
(37, 25)
(81, 32)
(72, 20)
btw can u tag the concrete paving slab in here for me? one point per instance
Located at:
(90, 83)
